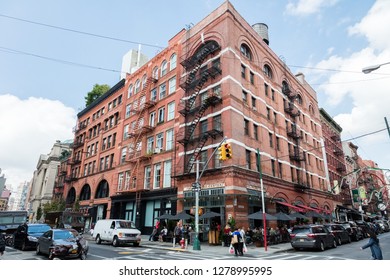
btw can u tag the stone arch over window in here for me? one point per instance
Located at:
(172, 61)
(311, 109)
(246, 51)
(268, 71)
(102, 190)
(85, 193)
(71, 196)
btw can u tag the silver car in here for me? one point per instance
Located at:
(312, 237)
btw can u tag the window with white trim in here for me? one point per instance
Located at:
(171, 111)
(172, 85)
(150, 145)
(137, 86)
(130, 91)
(164, 68)
(123, 154)
(155, 73)
(120, 181)
(162, 91)
(152, 119)
(172, 62)
(169, 139)
(161, 115)
(157, 176)
(167, 174)
(159, 140)
(148, 177)
(128, 110)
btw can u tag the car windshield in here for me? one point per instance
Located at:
(38, 229)
(64, 234)
(125, 224)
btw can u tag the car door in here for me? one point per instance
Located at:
(45, 241)
(18, 235)
(328, 237)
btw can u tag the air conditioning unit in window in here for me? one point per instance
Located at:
(157, 150)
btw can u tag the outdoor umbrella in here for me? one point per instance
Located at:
(259, 216)
(314, 215)
(210, 214)
(298, 215)
(165, 216)
(182, 216)
(283, 217)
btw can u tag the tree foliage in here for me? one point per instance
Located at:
(97, 91)
(54, 206)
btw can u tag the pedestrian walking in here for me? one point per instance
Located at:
(237, 242)
(373, 243)
(2, 244)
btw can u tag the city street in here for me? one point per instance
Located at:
(154, 251)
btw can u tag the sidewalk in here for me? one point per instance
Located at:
(206, 248)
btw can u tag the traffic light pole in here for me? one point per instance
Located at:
(196, 187)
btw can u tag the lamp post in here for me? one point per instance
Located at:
(369, 69)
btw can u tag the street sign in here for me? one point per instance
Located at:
(196, 186)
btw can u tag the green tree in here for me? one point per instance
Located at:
(39, 213)
(97, 91)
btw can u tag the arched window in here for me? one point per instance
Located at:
(85, 193)
(102, 190)
(172, 62)
(311, 109)
(144, 81)
(245, 51)
(267, 71)
(164, 68)
(299, 99)
(285, 88)
(155, 73)
(137, 86)
(130, 91)
(71, 197)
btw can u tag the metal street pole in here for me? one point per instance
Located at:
(387, 125)
(262, 200)
(196, 245)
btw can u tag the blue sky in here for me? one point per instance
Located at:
(45, 72)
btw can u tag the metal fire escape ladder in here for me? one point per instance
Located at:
(138, 133)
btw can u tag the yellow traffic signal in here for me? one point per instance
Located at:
(222, 153)
(228, 151)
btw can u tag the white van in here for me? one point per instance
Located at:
(117, 232)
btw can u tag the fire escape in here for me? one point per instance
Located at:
(137, 153)
(194, 106)
(295, 154)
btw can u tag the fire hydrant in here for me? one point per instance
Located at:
(182, 243)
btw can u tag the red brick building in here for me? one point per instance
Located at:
(137, 145)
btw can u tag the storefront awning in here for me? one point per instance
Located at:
(309, 208)
(291, 206)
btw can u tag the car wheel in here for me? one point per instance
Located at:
(98, 239)
(83, 256)
(339, 241)
(322, 246)
(136, 244)
(38, 250)
(115, 242)
(334, 245)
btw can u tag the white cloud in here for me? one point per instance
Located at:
(29, 128)
(308, 7)
(367, 94)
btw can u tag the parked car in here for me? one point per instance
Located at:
(26, 235)
(312, 237)
(384, 227)
(339, 232)
(355, 232)
(365, 228)
(116, 232)
(63, 244)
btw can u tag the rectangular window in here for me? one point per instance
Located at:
(127, 180)
(161, 115)
(153, 94)
(255, 132)
(169, 139)
(163, 91)
(123, 155)
(243, 70)
(273, 94)
(271, 142)
(157, 176)
(248, 159)
(268, 113)
(167, 174)
(246, 127)
(252, 78)
(128, 110)
(148, 177)
(280, 170)
(150, 145)
(254, 104)
(245, 97)
(275, 118)
(152, 119)
(277, 143)
(273, 167)
(203, 127)
(172, 85)
(120, 181)
(217, 123)
(266, 89)
(171, 111)
(159, 140)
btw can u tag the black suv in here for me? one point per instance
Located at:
(26, 235)
(354, 231)
(312, 237)
(365, 228)
(339, 232)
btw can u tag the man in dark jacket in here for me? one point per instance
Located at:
(2, 244)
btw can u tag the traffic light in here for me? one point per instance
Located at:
(228, 151)
(222, 153)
